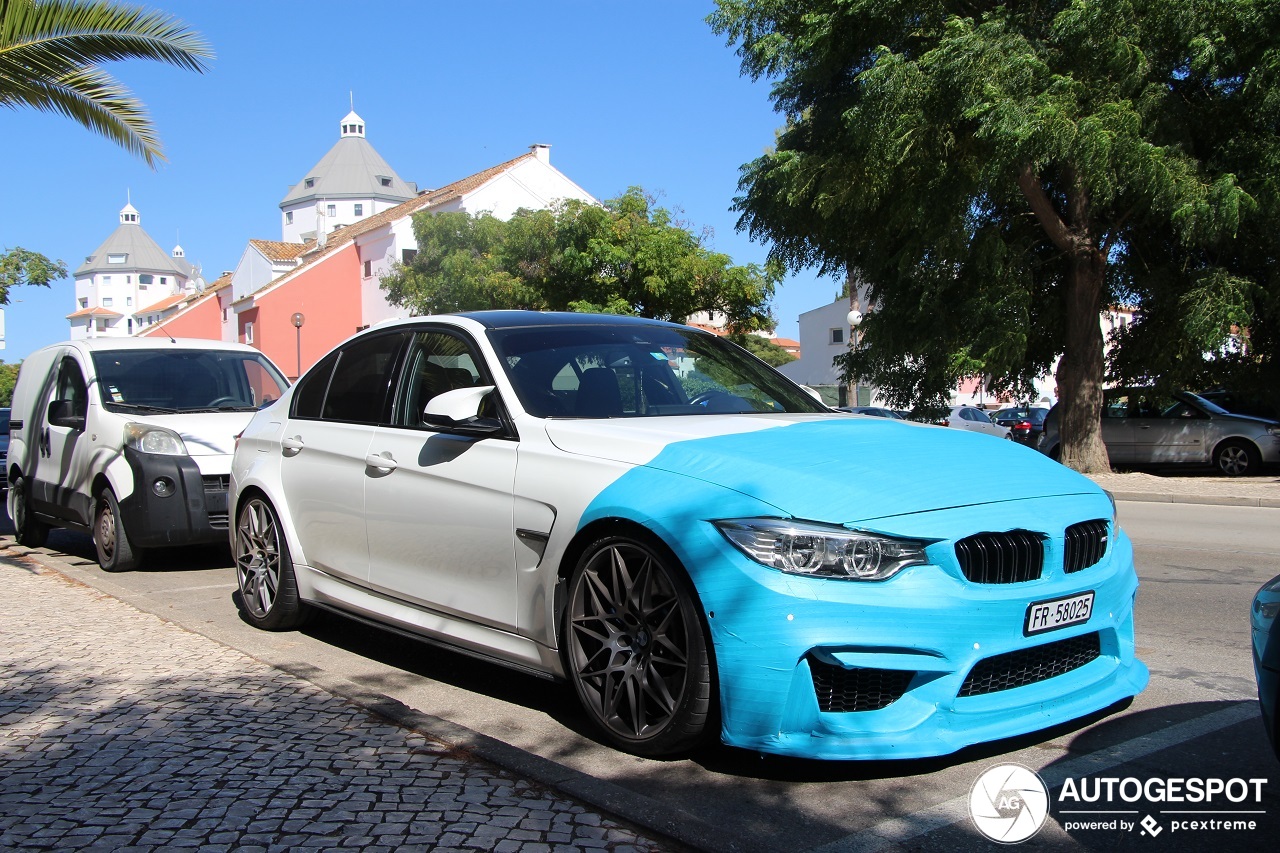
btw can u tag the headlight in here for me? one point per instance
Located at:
(805, 548)
(153, 439)
(1115, 510)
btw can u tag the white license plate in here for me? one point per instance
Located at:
(1058, 613)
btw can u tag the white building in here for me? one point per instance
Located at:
(128, 282)
(350, 183)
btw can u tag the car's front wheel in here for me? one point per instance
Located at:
(268, 588)
(26, 529)
(115, 552)
(636, 649)
(1237, 458)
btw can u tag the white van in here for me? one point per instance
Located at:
(131, 439)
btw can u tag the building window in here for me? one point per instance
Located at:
(359, 210)
(331, 210)
(106, 302)
(84, 302)
(117, 258)
(368, 268)
(131, 325)
(128, 279)
(106, 279)
(248, 333)
(145, 278)
(407, 256)
(224, 315)
(837, 336)
(164, 280)
(310, 182)
(288, 217)
(128, 300)
(386, 182)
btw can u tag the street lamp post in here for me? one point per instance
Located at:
(298, 320)
(855, 320)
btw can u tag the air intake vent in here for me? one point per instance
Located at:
(1011, 557)
(1028, 666)
(1086, 544)
(842, 689)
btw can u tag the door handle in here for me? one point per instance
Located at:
(382, 461)
(291, 446)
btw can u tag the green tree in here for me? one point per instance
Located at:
(763, 349)
(20, 266)
(50, 52)
(623, 257)
(998, 173)
(8, 378)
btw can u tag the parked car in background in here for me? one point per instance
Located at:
(874, 411)
(1266, 656)
(4, 448)
(130, 439)
(1255, 405)
(1142, 427)
(974, 420)
(1025, 423)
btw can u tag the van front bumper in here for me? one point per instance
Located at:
(173, 503)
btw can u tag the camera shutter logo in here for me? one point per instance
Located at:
(1009, 803)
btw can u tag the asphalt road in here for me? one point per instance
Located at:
(1198, 719)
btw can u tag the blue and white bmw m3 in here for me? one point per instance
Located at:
(657, 517)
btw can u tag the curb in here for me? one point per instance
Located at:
(1207, 500)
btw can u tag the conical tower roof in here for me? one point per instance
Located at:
(351, 169)
(132, 249)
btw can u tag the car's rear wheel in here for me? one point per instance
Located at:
(115, 552)
(636, 649)
(1237, 458)
(26, 529)
(268, 587)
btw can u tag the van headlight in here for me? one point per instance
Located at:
(145, 438)
(805, 548)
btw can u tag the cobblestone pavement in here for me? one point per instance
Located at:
(120, 731)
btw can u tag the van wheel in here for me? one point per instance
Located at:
(115, 552)
(26, 529)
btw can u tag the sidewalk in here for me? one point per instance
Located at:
(121, 731)
(1206, 489)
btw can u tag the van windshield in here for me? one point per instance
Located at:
(186, 380)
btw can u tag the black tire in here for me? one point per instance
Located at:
(1237, 458)
(27, 531)
(268, 588)
(636, 649)
(115, 552)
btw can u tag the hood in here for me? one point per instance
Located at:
(841, 469)
(204, 433)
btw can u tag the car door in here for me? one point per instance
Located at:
(61, 481)
(1117, 433)
(1168, 431)
(439, 506)
(336, 411)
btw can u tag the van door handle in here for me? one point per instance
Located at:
(382, 461)
(291, 446)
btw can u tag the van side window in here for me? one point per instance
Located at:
(71, 387)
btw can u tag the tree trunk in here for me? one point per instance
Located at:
(1081, 369)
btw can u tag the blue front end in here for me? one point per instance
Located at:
(923, 663)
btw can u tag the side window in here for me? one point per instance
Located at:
(358, 389)
(1116, 407)
(437, 362)
(308, 400)
(71, 387)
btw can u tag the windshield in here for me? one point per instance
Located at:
(183, 380)
(603, 371)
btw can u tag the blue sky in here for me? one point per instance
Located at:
(635, 93)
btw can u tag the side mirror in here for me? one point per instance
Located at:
(62, 413)
(458, 412)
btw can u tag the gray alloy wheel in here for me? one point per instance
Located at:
(1237, 458)
(636, 650)
(26, 529)
(264, 570)
(115, 552)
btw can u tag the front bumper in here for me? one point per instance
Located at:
(193, 511)
(906, 647)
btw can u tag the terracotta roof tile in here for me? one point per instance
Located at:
(105, 313)
(165, 304)
(274, 250)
